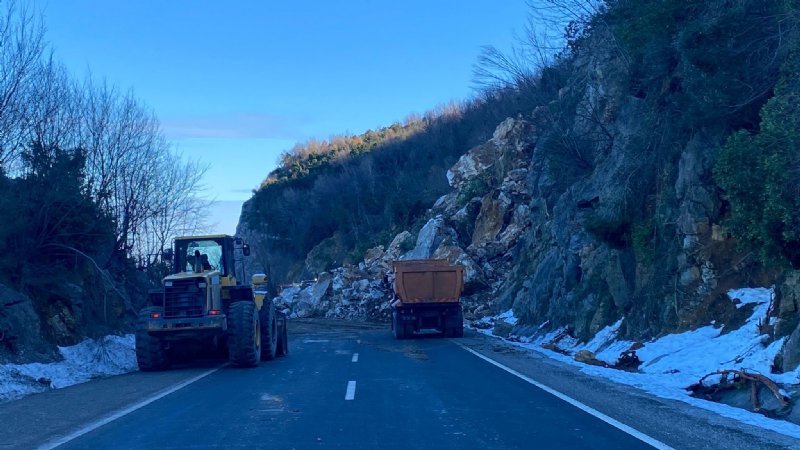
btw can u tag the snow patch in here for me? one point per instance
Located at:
(508, 317)
(673, 362)
(107, 356)
(748, 296)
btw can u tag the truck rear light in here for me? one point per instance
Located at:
(155, 315)
(213, 312)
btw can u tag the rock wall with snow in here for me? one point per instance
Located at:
(598, 207)
(528, 245)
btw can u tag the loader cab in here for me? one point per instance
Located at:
(213, 253)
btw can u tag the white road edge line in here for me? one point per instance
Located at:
(124, 412)
(355, 357)
(351, 390)
(588, 409)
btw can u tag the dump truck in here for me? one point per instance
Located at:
(427, 297)
(207, 306)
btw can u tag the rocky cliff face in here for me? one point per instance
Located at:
(566, 254)
(598, 206)
(61, 310)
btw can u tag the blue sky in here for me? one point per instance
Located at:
(235, 83)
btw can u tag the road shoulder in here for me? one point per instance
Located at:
(43, 417)
(670, 421)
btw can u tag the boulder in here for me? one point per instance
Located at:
(587, 357)
(790, 353)
(473, 275)
(491, 219)
(520, 221)
(502, 329)
(428, 240)
(399, 245)
(472, 164)
(21, 339)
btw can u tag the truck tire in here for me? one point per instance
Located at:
(455, 326)
(151, 352)
(283, 341)
(269, 331)
(244, 334)
(397, 328)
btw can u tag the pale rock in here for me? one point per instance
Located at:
(520, 221)
(473, 163)
(456, 255)
(428, 239)
(373, 255)
(789, 294)
(708, 278)
(395, 249)
(446, 204)
(690, 242)
(690, 276)
(507, 129)
(502, 329)
(491, 218)
(718, 233)
(791, 351)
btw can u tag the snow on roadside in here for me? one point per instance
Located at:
(508, 317)
(673, 362)
(750, 295)
(107, 356)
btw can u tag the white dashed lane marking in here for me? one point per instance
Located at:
(355, 357)
(351, 390)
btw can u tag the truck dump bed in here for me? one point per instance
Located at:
(428, 281)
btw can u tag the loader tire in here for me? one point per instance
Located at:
(269, 332)
(283, 341)
(244, 334)
(151, 352)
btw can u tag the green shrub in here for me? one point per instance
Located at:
(758, 174)
(476, 187)
(643, 241)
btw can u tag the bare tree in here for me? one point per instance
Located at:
(175, 207)
(150, 192)
(21, 48)
(550, 28)
(51, 117)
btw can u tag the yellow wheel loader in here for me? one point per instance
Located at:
(205, 306)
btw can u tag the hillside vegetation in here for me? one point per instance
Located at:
(90, 192)
(334, 199)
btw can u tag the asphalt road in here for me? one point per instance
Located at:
(350, 387)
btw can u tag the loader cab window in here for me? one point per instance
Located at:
(199, 255)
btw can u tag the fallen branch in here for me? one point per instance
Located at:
(745, 375)
(105, 277)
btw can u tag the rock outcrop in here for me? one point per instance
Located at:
(591, 209)
(478, 232)
(347, 293)
(21, 334)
